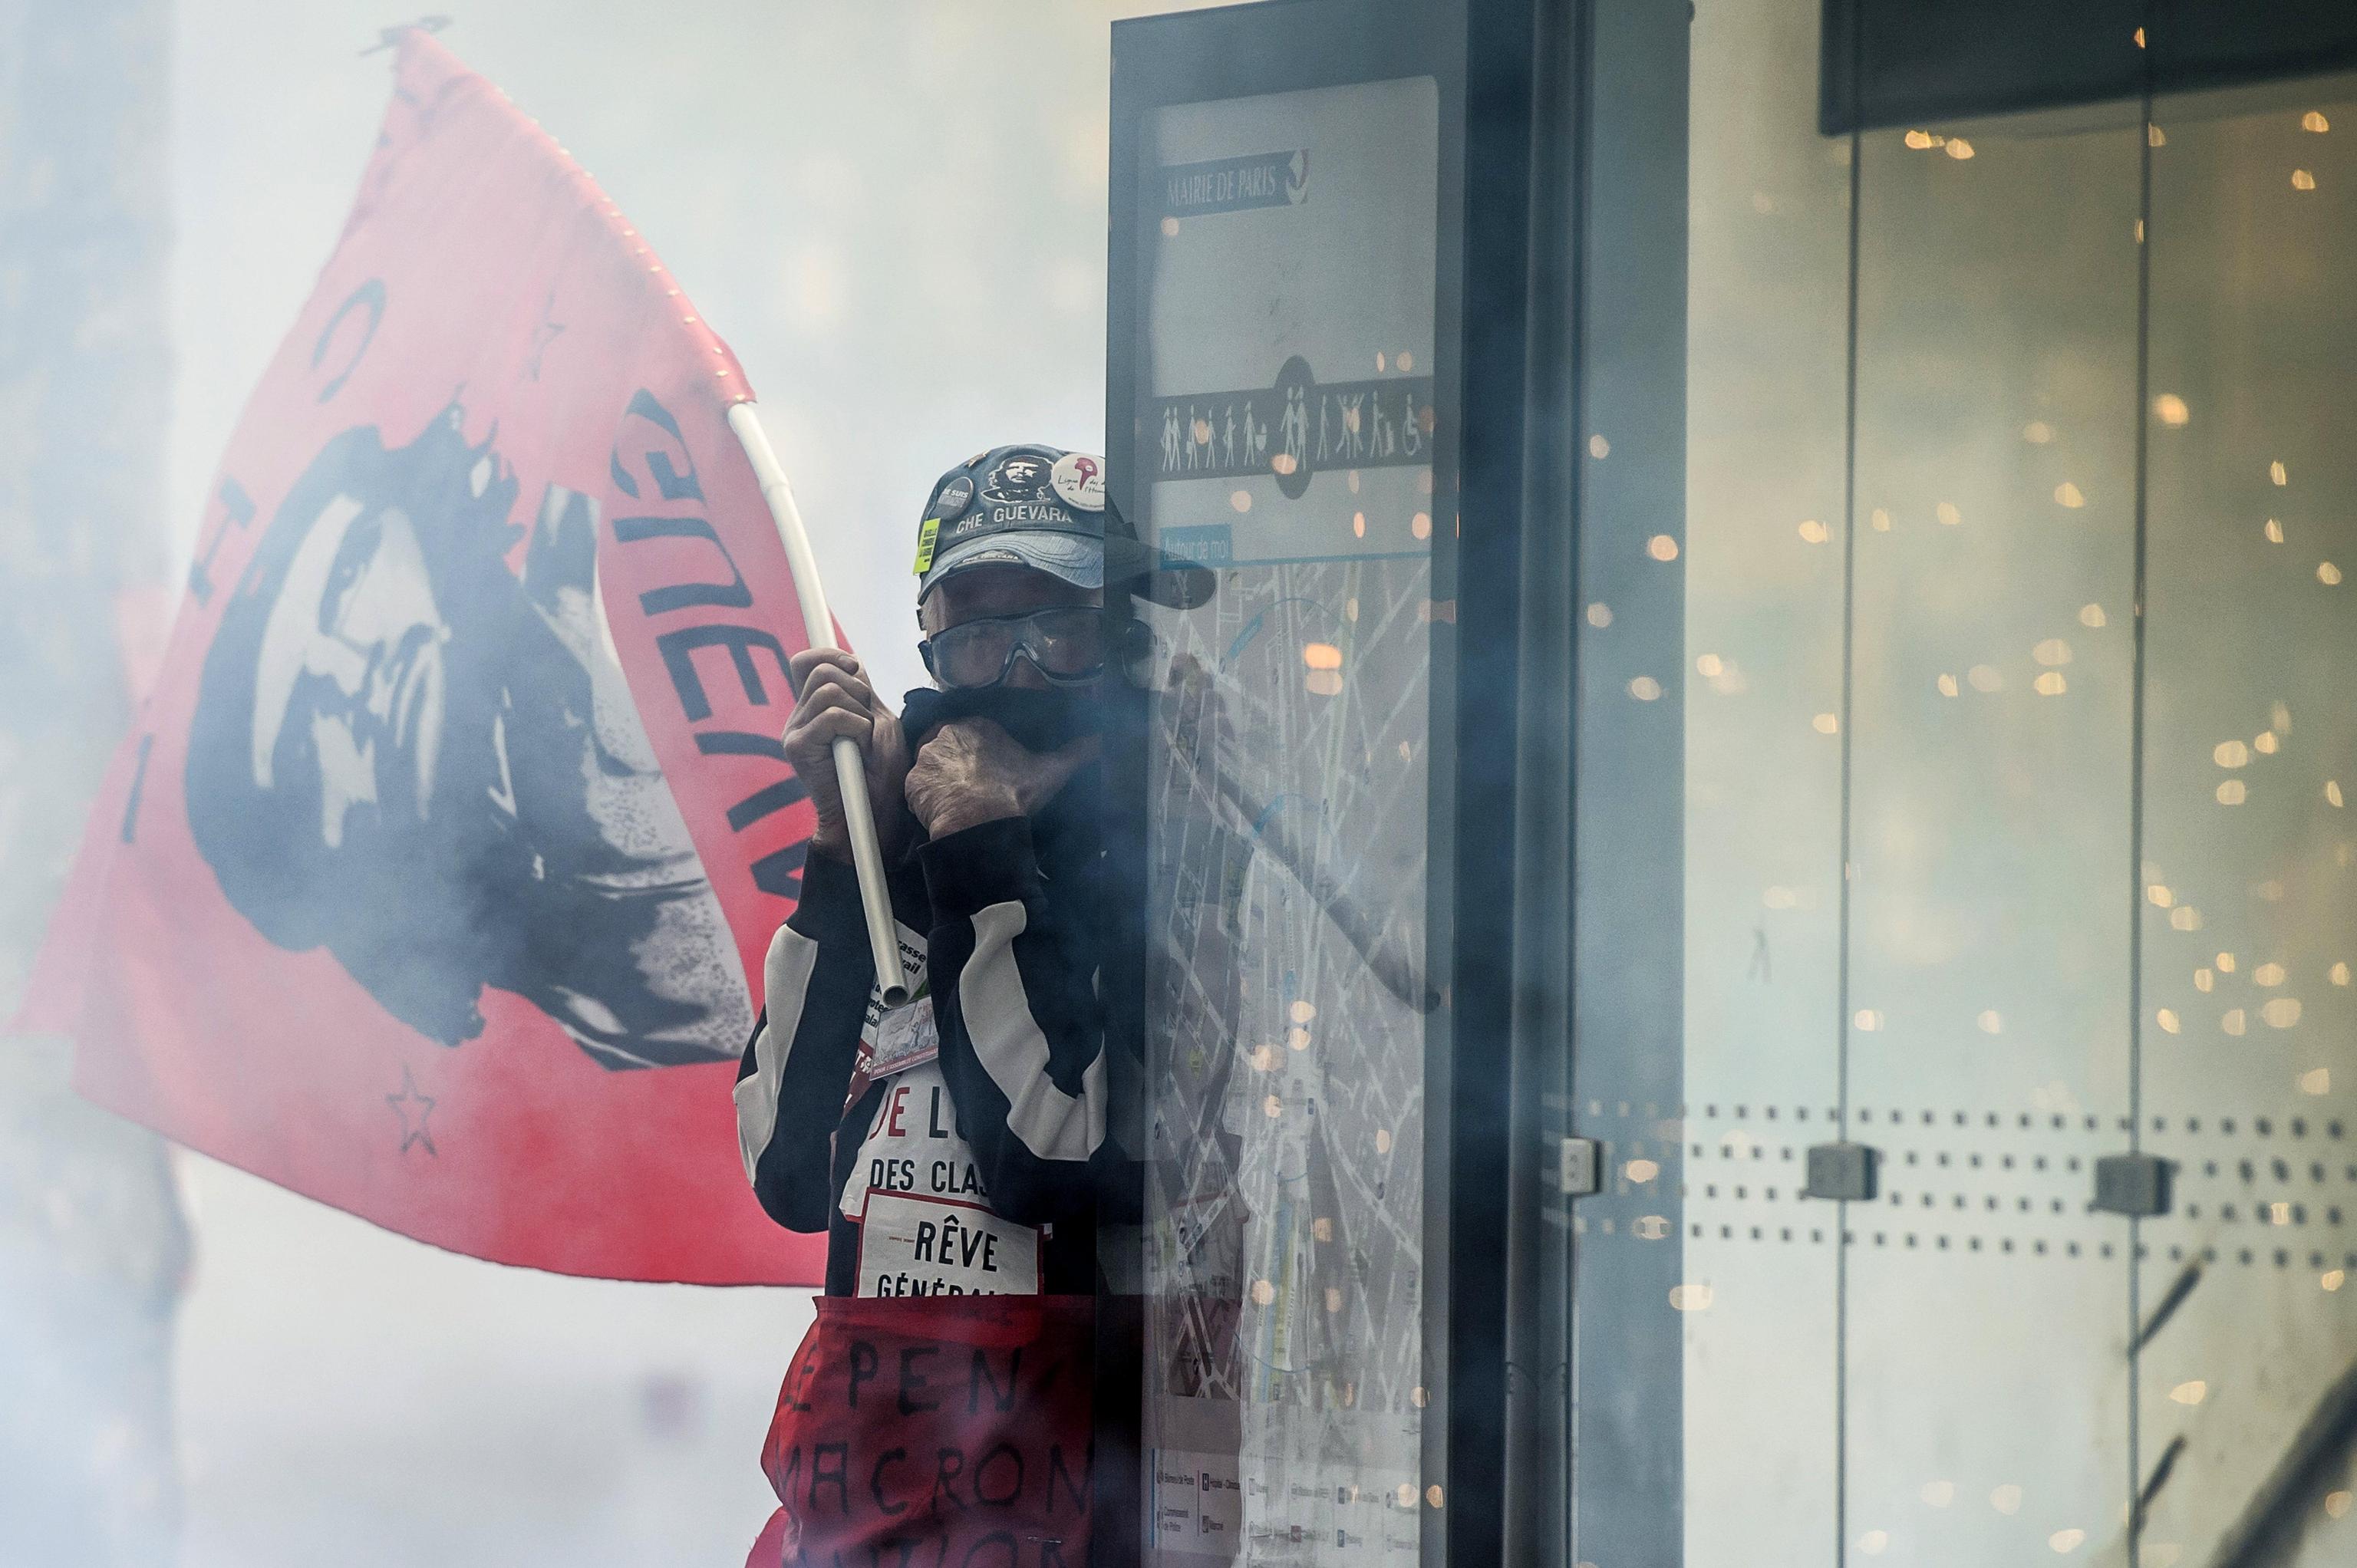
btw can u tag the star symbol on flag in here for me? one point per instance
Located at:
(414, 1109)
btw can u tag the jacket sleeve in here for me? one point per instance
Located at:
(1022, 1033)
(790, 1087)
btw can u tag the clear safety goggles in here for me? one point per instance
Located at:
(1066, 643)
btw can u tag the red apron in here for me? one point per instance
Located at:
(934, 1432)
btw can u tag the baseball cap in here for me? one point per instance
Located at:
(1045, 508)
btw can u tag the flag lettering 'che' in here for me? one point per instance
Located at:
(432, 878)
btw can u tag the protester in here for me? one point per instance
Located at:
(955, 1146)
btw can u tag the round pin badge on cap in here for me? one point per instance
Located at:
(952, 499)
(1016, 478)
(1079, 481)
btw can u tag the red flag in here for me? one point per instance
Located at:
(435, 877)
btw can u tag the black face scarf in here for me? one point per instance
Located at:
(1039, 720)
(1069, 828)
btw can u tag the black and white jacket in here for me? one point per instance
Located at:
(972, 1173)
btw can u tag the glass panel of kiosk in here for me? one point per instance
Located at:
(1281, 383)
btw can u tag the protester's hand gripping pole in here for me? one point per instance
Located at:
(850, 768)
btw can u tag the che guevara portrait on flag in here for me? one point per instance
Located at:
(458, 796)
(428, 764)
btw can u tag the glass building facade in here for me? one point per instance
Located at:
(1751, 934)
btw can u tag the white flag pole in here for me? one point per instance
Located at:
(850, 768)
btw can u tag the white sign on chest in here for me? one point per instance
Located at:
(926, 1227)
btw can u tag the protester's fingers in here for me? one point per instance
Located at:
(799, 666)
(831, 688)
(936, 747)
(890, 752)
(827, 710)
(824, 675)
(802, 663)
(974, 730)
(816, 732)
